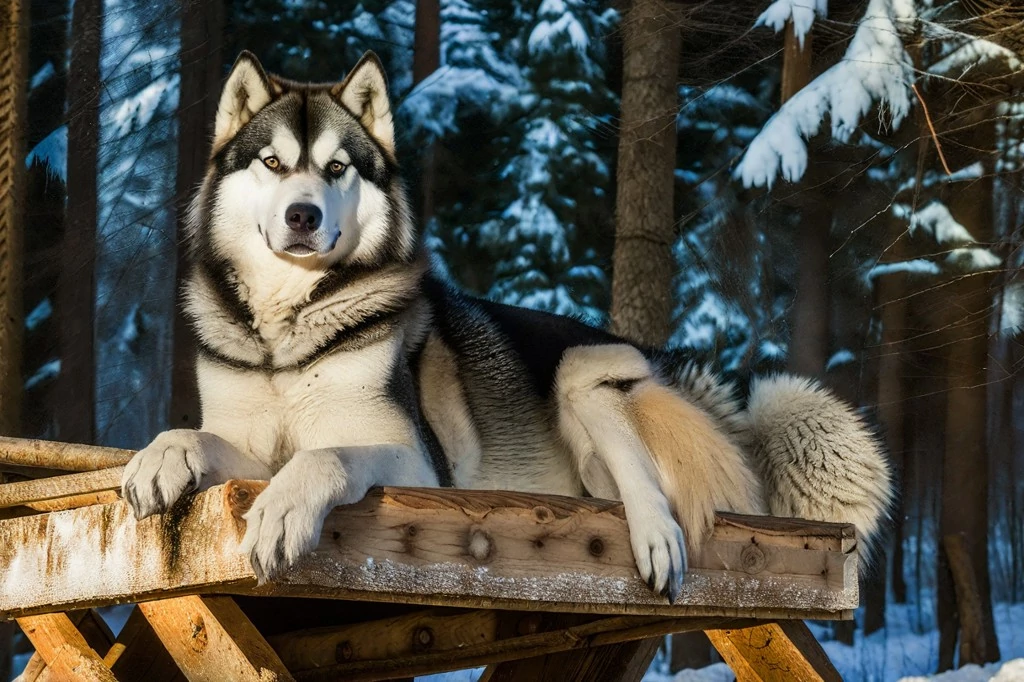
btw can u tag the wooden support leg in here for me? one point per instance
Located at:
(774, 652)
(94, 630)
(211, 640)
(138, 654)
(623, 662)
(63, 648)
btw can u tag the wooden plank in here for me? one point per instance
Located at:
(64, 649)
(624, 662)
(431, 630)
(774, 652)
(64, 456)
(479, 549)
(93, 629)
(601, 632)
(211, 640)
(88, 484)
(138, 654)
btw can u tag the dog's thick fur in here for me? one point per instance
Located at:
(331, 360)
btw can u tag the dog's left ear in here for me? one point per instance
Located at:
(364, 92)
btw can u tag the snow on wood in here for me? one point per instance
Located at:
(428, 546)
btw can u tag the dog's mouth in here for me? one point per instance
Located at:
(300, 250)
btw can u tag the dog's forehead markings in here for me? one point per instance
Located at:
(324, 148)
(285, 146)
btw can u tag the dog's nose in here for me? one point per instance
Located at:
(304, 217)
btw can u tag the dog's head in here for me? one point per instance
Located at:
(304, 171)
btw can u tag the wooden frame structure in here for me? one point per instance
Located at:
(406, 582)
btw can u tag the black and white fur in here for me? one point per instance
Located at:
(331, 360)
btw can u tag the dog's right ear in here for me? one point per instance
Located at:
(246, 91)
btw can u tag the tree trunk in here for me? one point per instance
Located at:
(427, 60)
(965, 463)
(13, 61)
(808, 328)
(643, 263)
(202, 61)
(76, 288)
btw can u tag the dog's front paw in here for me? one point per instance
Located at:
(160, 474)
(282, 527)
(659, 548)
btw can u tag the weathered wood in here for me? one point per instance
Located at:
(428, 546)
(64, 649)
(64, 456)
(774, 652)
(93, 629)
(87, 487)
(428, 631)
(624, 662)
(968, 599)
(601, 632)
(211, 640)
(138, 654)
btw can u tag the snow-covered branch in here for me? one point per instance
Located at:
(875, 69)
(800, 12)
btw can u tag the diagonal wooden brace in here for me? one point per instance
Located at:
(211, 640)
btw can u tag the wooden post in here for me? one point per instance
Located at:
(64, 649)
(774, 652)
(211, 640)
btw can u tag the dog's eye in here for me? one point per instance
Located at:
(336, 168)
(272, 163)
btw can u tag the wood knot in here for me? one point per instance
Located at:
(752, 559)
(479, 545)
(596, 546)
(198, 638)
(240, 495)
(542, 514)
(422, 639)
(343, 652)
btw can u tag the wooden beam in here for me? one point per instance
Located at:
(94, 630)
(64, 456)
(138, 654)
(624, 662)
(601, 632)
(64, 649)
(774, 652)
(90, 487)
(211, 640)
(438, 547)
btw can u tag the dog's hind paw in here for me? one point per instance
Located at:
(659, 549)
(160, 474)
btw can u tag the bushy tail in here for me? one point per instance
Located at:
(817, 458)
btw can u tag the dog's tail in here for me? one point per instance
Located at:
(817, 458)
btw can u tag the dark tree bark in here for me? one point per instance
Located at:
(13, 62)
(202, 60)
(427, 60)
(76, 288)
(643, 264)
(965, 463)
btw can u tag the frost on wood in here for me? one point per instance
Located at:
(800, 12)
(428, 547)
(875, 69)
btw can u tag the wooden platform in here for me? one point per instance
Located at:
(536, 587)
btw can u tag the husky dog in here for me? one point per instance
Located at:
(331, 360)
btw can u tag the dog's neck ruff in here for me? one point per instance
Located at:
(349, 308)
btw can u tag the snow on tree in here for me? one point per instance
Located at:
(875, 69)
